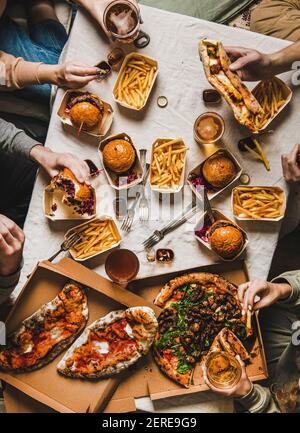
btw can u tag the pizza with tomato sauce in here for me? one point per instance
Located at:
(47, 332)
(196, 307)
(110, 344)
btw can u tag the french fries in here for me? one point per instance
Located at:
(97, 236)
(270, 95)
(168, 160)
(258, 202)
(135, 82)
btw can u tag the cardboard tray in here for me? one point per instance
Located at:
(98, 131)
(219, 216)
(160, 386)
(198, 170)
(149, 60)
(72, 251)
(46, 385)
(111, 176)
(276, 188)
(181, 183)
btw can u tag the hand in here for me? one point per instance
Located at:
(72, 74)
(268, 293)
(11, 246)
(251, 65)
(53, 162)
(290, 165)
(96, 9)
(242, 388)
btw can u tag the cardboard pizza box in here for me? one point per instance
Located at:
(46, 385)
(160, 386)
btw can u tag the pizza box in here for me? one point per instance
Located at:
(113, 177)
(286, 93)
(197, 171)
(130, 56)
(45, 385)
(276, 189)
(160, 386)
(72, 251)
(98, 131)
(204, 241)
(181, 183)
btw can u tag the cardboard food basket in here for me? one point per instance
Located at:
(145, 379)
(95, 133)
(111, 176)
(46, 385)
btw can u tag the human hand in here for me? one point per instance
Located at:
(242, 388)
(251, 65)
(74, 74)
(268, 293)
(290, 165)
(53, 162)
(11, 246)
(96, 9)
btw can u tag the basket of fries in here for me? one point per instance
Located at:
(99, 235)
(273, 95)
(135, 81)
(263, 203)
(168, 163)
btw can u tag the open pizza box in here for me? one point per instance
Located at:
(147, 379)
(46, 385)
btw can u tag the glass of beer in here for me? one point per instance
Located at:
(122, 19)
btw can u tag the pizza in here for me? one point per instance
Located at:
(110, 344)
(216, 66)
(196, 307)
(227, 341)
(47, 332)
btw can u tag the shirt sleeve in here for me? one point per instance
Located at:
(293, 279)
(258, 400)
(7, 285)
(15, 72)
(14, 141)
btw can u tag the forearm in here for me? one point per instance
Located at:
(282, 61)
(293, 279)
(7, 285)
(14, 141)
(258, 400)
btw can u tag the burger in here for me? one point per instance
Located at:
(219, 170)
(119, 156)
(80, 196)
(226, 239)
(85, 110)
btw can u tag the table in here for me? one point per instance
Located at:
(174, 43)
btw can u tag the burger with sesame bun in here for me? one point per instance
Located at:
(226, 239)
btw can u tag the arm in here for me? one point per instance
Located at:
(252, 65)
(17, 73)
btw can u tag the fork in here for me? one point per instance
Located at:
(68, 243)
(128, 220)
(158, 235)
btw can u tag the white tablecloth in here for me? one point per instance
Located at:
(174, 43)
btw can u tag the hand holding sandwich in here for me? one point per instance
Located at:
(53, 162)
(11, 246)
(290, 165)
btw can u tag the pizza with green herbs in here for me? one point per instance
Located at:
(196, 307)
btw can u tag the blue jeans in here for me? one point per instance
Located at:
(44, 44)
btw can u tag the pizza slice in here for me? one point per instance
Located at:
(216, 64)
(47, 332)
(80, 196)
(110, 344)
(227, 341)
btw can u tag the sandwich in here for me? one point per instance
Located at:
(226, 239)
(219, 170)
(119, 156)
(80, 196)
(216, 66)
(85, 110)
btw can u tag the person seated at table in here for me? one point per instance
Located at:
(23, 155)
(279, 306)
(277, 18)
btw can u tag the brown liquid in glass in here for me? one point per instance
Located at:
(122, 266)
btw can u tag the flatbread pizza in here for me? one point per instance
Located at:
(47, 332)
(216, 64)
(196, 307)
(226, 341)
(110, 344)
